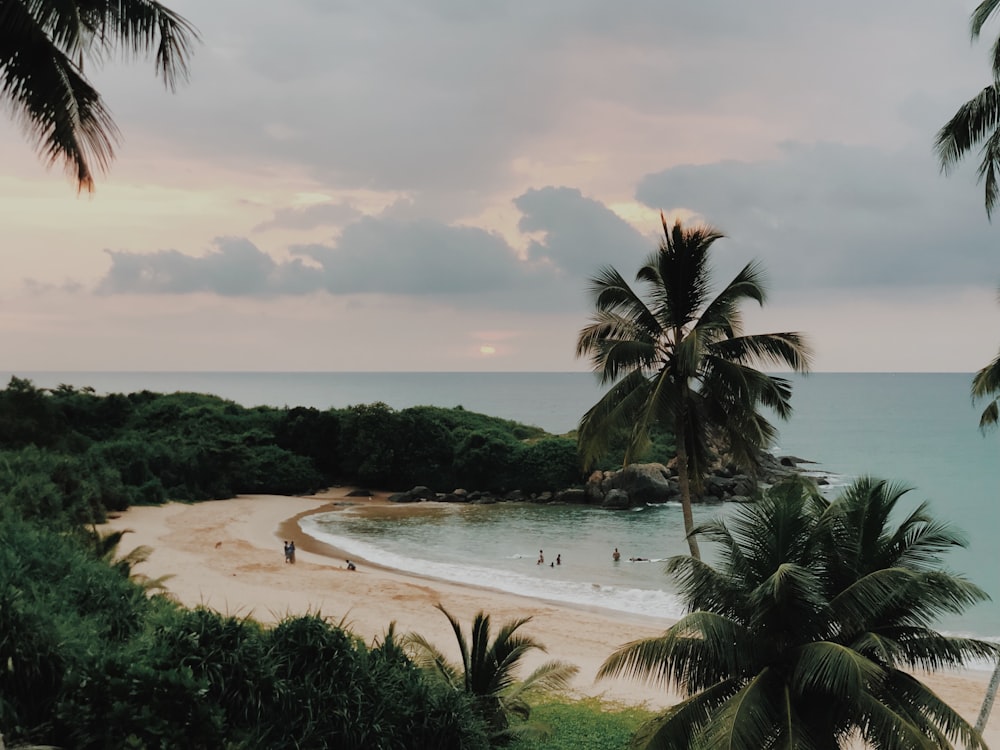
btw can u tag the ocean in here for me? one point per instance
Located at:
(920, 430)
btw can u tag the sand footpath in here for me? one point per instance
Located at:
(227, 555)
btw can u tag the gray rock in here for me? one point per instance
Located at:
(617, 500)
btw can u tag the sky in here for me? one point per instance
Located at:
(429, 186)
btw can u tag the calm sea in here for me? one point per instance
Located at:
(917, 429)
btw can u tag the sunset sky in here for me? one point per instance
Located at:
(428, 185)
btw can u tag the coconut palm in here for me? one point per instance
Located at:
(43, 46)
(986, 385)
(978, 120)
(680, 361)
(488, 671)
(807, 632)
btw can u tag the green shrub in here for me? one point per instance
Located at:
(588, 724)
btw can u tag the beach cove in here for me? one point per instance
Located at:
(227, 555)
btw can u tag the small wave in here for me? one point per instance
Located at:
(647, 602)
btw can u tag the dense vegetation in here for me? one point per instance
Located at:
(822, 601)
(813, 628)
(92, 660)
(70, 454)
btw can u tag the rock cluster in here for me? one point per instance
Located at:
(634, 485)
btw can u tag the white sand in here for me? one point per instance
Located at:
(227, 555)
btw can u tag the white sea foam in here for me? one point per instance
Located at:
(646, 602)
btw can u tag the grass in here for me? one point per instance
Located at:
(586, 724)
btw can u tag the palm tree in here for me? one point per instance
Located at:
(43, 45)
(807, 632)
(680, 361)
(488, 671)
(978, 120)
(986, 385)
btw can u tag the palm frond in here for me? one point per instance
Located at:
(696, 652)
(61, 112)
(722, 313)
(615, 413)
(829, 668)
(682, 724)
(548, 677)
(923, 709)
(972, 123)
(427, 656)
(986, 385)
(979, 17)
(787, 349)
(751, 718)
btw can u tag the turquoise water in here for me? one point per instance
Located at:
(918, 429)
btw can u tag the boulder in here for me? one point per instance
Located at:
(644, 483)
(422, 493)
(617, 500)
(402, 497)
(574, 496)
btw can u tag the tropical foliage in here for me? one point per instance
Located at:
(43, 47)
(487, 671)
(91, 661)
(986, 386)
(70, 456)
(978, 120)
(583, 724)
(679, 360)
(807, 632)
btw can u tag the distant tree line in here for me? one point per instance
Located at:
(70, 453)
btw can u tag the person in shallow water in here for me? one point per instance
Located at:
(558, 559)
(541, 558)
(616, 555)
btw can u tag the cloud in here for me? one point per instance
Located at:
(581, 234)
(834, 215)
(419, 257)
(310, 217)
(372, 256)
(235, 268)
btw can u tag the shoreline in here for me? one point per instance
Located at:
(226, 555)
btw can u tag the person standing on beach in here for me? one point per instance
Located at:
(288, 552)
(291, 552)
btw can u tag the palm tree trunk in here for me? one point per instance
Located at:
(684, 480)
(991, 694)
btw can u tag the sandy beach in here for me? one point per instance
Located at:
(227, 555)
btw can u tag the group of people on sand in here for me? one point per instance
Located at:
(541, 560)
(290, 555)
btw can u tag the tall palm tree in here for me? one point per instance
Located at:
(488, 670)
(978, 120)
(986, 385)
(681, 361)
(43, 46)
(807, 632)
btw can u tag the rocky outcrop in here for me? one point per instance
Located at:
(656, 483)
(634, 485)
